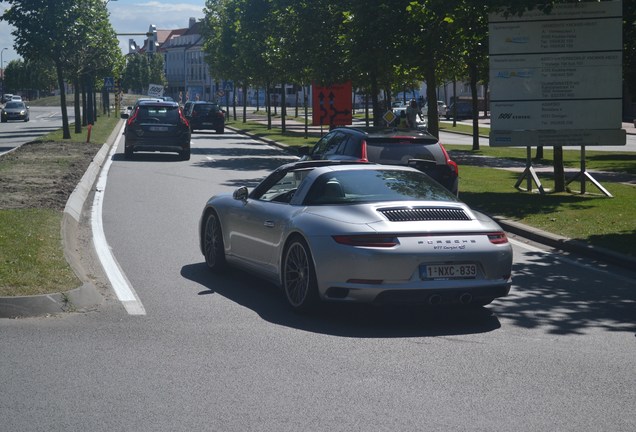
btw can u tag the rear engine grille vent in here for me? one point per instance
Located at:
(413, 214)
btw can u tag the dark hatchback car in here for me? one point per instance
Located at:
(156, 125)
(413, 148)
(15, 110)
(206, 115)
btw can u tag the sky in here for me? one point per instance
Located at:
(126, 16)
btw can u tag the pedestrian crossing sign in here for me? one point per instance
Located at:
(109, 83)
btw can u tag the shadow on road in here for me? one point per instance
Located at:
(346, 320)
(548, 294)
(556, 294)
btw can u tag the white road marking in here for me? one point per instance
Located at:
(120, 283)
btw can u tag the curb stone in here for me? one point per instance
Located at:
(85, 296)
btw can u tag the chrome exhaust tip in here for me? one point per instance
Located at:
(435, 299)
(465, 298)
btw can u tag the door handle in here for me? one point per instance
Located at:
(269, 224)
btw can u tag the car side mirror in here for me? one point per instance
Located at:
(240, 194)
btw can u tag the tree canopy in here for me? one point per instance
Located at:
(75, 36)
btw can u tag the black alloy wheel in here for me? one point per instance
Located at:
(213, 248)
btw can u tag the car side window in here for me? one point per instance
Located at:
(323, 144)
(283, 190)
(335, 144)
(350, 147)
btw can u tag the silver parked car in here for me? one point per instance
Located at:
(346, 231)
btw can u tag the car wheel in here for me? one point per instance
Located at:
(128, 152)
(220, 130)
(185, 155)
(4, 120)
(213, 248)
(299, 277)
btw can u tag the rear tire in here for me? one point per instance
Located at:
(128, 153)
(213, 247)
(185, 155)
(299, 277)
(220, 130)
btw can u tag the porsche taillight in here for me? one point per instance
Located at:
(498, 237)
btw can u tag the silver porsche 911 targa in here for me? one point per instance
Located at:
(333, 231)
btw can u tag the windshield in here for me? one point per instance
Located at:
(158, 114)
(14, 105)
(358, 186)
(205, 109)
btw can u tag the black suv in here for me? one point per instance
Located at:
(206, 115)
(155, 125)
(391, 147)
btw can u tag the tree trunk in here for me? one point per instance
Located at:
(283, 108)
(377, 115)
(66, 132)
(83, 90)
(244, 103)
(90, 107)
(454, 103)
(472, 68)
(431, 96)
(76, 108)
(486, 99)
(559, 171)
(268, 105)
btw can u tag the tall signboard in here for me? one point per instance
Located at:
(332, 105)
(556, 79)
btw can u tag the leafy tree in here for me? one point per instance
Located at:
(29, 77)
(55, 32)
(141, 70)
(94, 57)
(432, 38)
(375, 41)
(470, 25)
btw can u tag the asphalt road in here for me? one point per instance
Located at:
(224, 353)
(42, 121)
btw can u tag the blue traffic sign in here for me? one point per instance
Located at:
(109, 83)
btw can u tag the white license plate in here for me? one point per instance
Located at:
(448, 271)
(158, 128)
